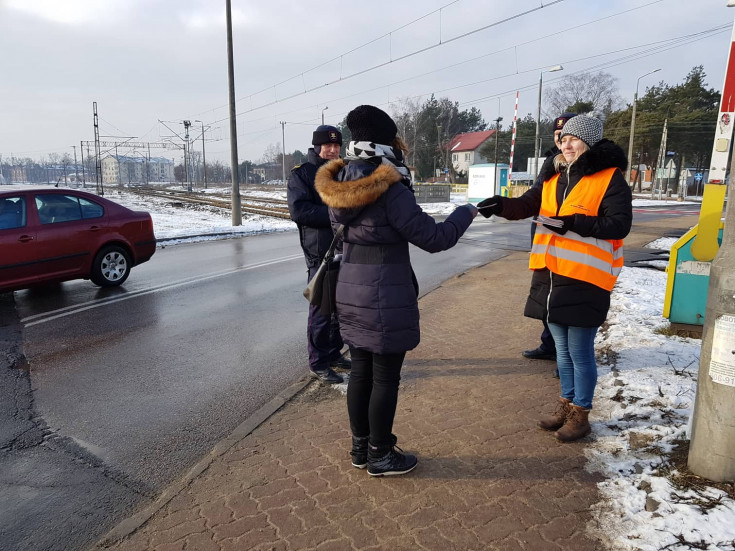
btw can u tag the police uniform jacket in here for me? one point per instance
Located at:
(309, 211)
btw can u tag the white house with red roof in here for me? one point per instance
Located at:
(464, 149)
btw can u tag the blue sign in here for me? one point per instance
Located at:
(698, 177)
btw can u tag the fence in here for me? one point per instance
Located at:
(432, 193)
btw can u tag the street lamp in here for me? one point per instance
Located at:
(497, 130)
(538, 117)
(323, 114)
(632, 125)
(439, 145)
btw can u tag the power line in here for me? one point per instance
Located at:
(563, 31)
(394, 60)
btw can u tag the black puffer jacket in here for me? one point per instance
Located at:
(565, 300)
(377, 292)
(309, 211)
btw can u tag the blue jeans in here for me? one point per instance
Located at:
(575, 358)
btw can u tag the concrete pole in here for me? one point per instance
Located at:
(236, 201)
(283, 153)
(712, 448)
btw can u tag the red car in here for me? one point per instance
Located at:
(52, 235)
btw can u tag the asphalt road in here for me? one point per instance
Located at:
(124, 389)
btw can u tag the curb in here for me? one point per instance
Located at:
(133, 523)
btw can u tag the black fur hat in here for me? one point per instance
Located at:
(326, 134)
(370, 124)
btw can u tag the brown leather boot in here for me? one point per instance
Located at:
(576, 426)
(556, 419)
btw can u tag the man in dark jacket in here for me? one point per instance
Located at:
(315, 233)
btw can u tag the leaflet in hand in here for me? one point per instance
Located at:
(553, 222)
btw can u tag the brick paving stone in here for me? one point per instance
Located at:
(359, 534)
(240, 527)
(242, 505)
(487, 478)
(178, 532)
(201, 542)
(285, 521)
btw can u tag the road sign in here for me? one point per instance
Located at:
(698, 177)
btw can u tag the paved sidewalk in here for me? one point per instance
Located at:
(487, 478)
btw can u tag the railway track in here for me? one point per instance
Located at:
(276, 208)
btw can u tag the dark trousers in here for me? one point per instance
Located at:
(325, 342)
(547, 340)
(372, 394)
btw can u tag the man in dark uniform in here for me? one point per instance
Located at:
(315, 233)
(547, 349)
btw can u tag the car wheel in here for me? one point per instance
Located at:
(111, 266)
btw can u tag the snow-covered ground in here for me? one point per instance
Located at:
(644, 399)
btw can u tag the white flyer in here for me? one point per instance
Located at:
(722, 359)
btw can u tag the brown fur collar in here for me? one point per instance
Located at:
(353, 193)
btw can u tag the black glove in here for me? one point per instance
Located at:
(490, 206)
(567, 223)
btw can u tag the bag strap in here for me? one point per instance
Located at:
(337, 235)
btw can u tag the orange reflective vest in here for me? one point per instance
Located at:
(596, 261)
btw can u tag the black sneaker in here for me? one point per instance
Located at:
(539, 354)
(328, 376)
(359, 451)
(342, 363)
(391, 463)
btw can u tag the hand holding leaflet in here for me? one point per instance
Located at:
(546, 221)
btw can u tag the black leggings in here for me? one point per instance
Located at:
(372, 394)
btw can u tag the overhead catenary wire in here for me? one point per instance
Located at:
(664, 45)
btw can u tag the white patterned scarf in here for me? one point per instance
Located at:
(364, 151)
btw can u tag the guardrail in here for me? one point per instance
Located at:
(432, 193)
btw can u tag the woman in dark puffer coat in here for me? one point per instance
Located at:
(576, 258)
(377, 304)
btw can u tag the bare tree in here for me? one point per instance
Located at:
(272, 153)
(598, 89)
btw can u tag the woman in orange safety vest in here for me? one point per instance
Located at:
(583, 211)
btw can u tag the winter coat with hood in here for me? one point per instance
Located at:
(561, 299)
(308, 210)
(377, 292)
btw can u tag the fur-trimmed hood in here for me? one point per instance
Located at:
(360, 192)
(604, 154)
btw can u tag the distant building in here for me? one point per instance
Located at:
(123, 169)
(465, 150)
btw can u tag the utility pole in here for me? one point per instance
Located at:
(236, 202)
(119, 168)
(204, 158)
(497, 130)
(439, 146)
(712, 446)
(283, 153)
(660, 162)
(84, 177)
(76, 167)
(187, 161)
(97, 162)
